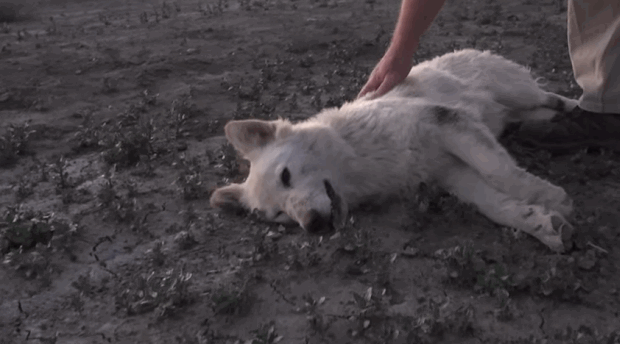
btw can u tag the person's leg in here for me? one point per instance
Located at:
(594, 47)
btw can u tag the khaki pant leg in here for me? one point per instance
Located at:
(594, 46)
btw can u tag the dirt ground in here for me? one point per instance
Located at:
(111, 141)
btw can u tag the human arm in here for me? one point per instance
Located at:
(415, 17)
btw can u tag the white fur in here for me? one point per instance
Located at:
(440, 125)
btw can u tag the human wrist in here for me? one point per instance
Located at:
(402, 48)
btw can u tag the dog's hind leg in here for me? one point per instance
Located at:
(548, 226)
(553, 105)
(559, 102)
(473, 143)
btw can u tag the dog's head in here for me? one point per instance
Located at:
(295, 173)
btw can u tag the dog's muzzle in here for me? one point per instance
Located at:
(317, 223)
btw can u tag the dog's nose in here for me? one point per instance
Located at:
(316, 223)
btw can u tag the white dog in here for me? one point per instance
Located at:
(440, 125)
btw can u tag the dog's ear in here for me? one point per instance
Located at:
(227, 197)
(251, 134)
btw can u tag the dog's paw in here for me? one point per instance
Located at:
(565, 207)
(555, 199)
(562, 204)
(556, 232)
(564, 229)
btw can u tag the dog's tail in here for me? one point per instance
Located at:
(552, 105)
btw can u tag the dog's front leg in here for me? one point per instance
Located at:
(548, 226)
(474, 144)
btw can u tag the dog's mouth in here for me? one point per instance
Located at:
(338, 214)
(320, 223)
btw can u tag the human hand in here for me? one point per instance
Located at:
(391, 70)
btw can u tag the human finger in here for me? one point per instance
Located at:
(370, 86)
(388, 83)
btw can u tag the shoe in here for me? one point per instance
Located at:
(574, 130)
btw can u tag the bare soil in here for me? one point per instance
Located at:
(111, 141)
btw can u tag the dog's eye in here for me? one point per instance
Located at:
(285, 177)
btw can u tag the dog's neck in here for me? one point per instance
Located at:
(378, 150)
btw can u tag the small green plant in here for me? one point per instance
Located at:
(52, 29)
(264, 242)
(31, 238)
(24, 189)
(157, 255)
(495, 279)
(190, 179)
(59, 167)
(231, 299)
(467, 268)
(107, 193)
(24, 228)
(302, 255)
(435, 319)
(32, 264)
(464, 264)
(356, 242)
(245, 5)
(131, 137)
(548, 276)
(181, 110)
(370, 308)
(165, 293)
(559, 278)
(507, 310)
(128, 147)
(144, 17)
(185, 240)
(125, 209)
(156, 14)
(586, 334)
(266, 334)
(319, 323)
(88, 135)
(227, 162)
(122, 207)
(64, 183)
(166, 10)
(104, 19)
(14, 10)
(84, 286)
(213, 10)
(14, 142)
(76, 302)
(109, 85)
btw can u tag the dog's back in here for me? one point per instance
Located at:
(471, 78)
